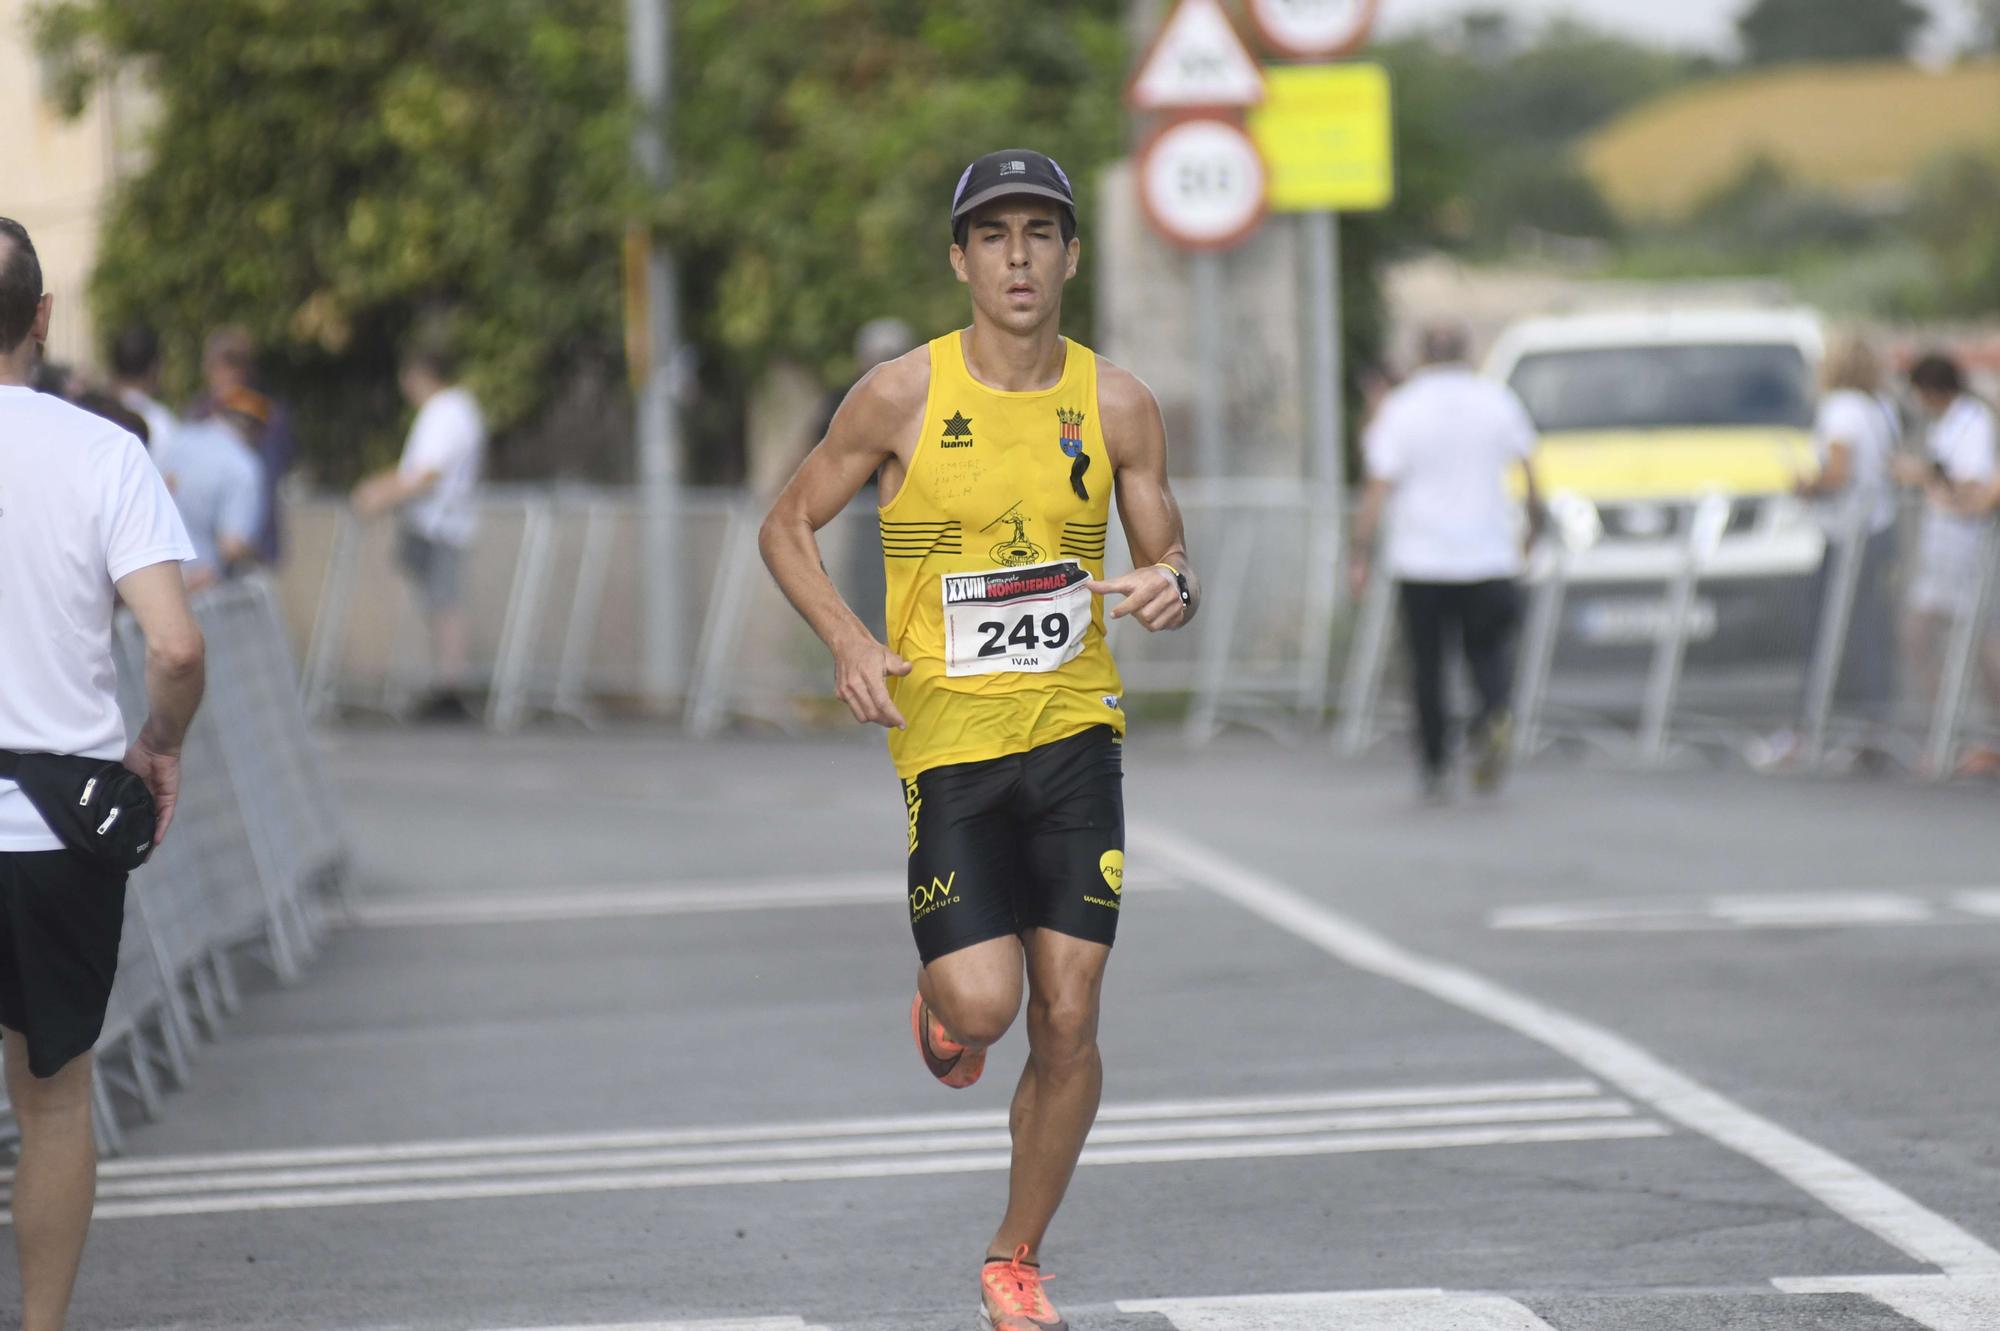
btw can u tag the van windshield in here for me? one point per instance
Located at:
(1653, 387)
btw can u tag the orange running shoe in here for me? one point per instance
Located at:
(1011, 1297)
(950, 1062)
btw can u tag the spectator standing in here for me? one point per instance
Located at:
(87, 522)
(434, 490)
(217, 482)
(1855, 437)
(1958, 465)
(135, 382)
(229, 363)
(1439, 454)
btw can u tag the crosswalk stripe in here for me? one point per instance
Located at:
(898, 1166)
(1146, 1111)
(1375, 1310)
(1941, 1303)
(930, 1143)
(714, 1324)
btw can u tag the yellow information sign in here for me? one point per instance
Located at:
(1324, 133)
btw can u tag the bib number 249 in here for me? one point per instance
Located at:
(1015, 619)
(1026, 634)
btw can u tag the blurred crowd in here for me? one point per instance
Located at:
(1939, 445)
(226, 453)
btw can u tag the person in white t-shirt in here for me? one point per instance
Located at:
(1440, 453)
(435, 491)
(1961, 464)
(85, 521)
(1853, 492)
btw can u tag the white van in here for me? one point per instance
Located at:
(1643, 413)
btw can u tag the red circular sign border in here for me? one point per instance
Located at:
(1365, 29)
(1225, 242)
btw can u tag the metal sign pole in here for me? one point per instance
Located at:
(1320, 234)
(1210, 411)
(648, 36)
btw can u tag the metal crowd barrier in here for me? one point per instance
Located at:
(256, 841)
(557, 603)
(1650, 714)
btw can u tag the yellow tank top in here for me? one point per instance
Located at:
(1002, 514)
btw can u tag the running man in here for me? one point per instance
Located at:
(999, 447)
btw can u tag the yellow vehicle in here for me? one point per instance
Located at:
(1643, 414)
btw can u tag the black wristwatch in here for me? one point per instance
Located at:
(1180, 581)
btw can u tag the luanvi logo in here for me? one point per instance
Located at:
(957, 432)
(927, 898)
(913, 802)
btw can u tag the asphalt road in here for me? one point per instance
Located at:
(618, 1038)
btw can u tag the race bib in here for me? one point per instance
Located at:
(1028, 619)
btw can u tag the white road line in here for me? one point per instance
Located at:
(1134, 1112)
(1377, 1310)
(1984, 902)
(1784, 910)
(1837, 1183)
(720, 1324)
(901, 1166)
(640, 900)
(1942, 1303)
(928, 1142)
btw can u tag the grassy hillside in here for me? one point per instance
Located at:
(1859, 130)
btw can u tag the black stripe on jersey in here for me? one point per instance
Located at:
(1085, 540)
(916, 540)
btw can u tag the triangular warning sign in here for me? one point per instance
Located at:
(1196, 61)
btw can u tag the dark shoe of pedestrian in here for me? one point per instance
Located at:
(1495, 740)
(445, 707)
(1434, 786)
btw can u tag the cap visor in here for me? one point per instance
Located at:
(1011, 191)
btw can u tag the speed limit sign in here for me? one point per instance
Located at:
(1201, 183)
(1313, 29)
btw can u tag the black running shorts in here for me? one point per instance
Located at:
(1034, 840)
(60, 919)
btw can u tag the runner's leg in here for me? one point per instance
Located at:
(55, 1183)
(975, 991)
(1056, 1101)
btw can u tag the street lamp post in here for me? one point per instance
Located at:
(649, 40)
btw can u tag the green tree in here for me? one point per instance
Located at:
(330, 172)
(818, 141)
(1780, 31)
(1956, 215)
(326, 171)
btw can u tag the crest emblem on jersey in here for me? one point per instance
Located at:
(1072, 447)
(957, 432)
(1016, 551)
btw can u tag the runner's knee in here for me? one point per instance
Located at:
(1062, 1027)
(980, 1022)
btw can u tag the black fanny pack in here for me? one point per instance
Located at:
(98, 808)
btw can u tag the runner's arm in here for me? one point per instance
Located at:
(1136, 436)
(878, 411)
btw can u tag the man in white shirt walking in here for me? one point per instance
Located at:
(85, 521)
(435, 491)
(1439, 453)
